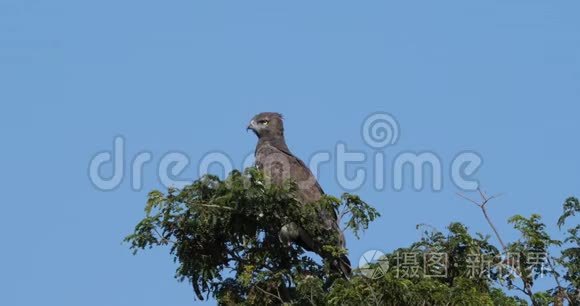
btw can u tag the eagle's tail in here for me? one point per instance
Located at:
(293, 232)
(342, 266)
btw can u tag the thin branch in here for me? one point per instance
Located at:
(344, 224)
(192, 203)
(557, 279)
(520, 289)
(484, 210)
(468, 199)
(270, 294)
(163, 238)
(215, 206)
(342, 214)
(481, 193)
(482, 205)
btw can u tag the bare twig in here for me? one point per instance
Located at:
(482, 205)
(270, 294)
(484, 210)
(468, 199)
(341, 215)
(163, 238)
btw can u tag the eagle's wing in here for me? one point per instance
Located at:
(280, 165)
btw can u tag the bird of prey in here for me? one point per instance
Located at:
(277, 162)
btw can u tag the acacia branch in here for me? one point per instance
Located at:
(482, 205)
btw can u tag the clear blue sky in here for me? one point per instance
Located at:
(501, 78)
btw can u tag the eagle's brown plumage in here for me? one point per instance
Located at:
(277, 162)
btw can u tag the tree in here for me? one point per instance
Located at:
(224, 236)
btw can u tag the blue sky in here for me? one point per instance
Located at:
(501, 78)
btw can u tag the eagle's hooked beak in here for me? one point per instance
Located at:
(251, 126)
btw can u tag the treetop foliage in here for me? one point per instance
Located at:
(223, 235)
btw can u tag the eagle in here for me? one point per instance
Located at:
(276, 161)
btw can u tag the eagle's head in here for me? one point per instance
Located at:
(267, 125)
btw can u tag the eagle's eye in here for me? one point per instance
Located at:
(263, 122)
